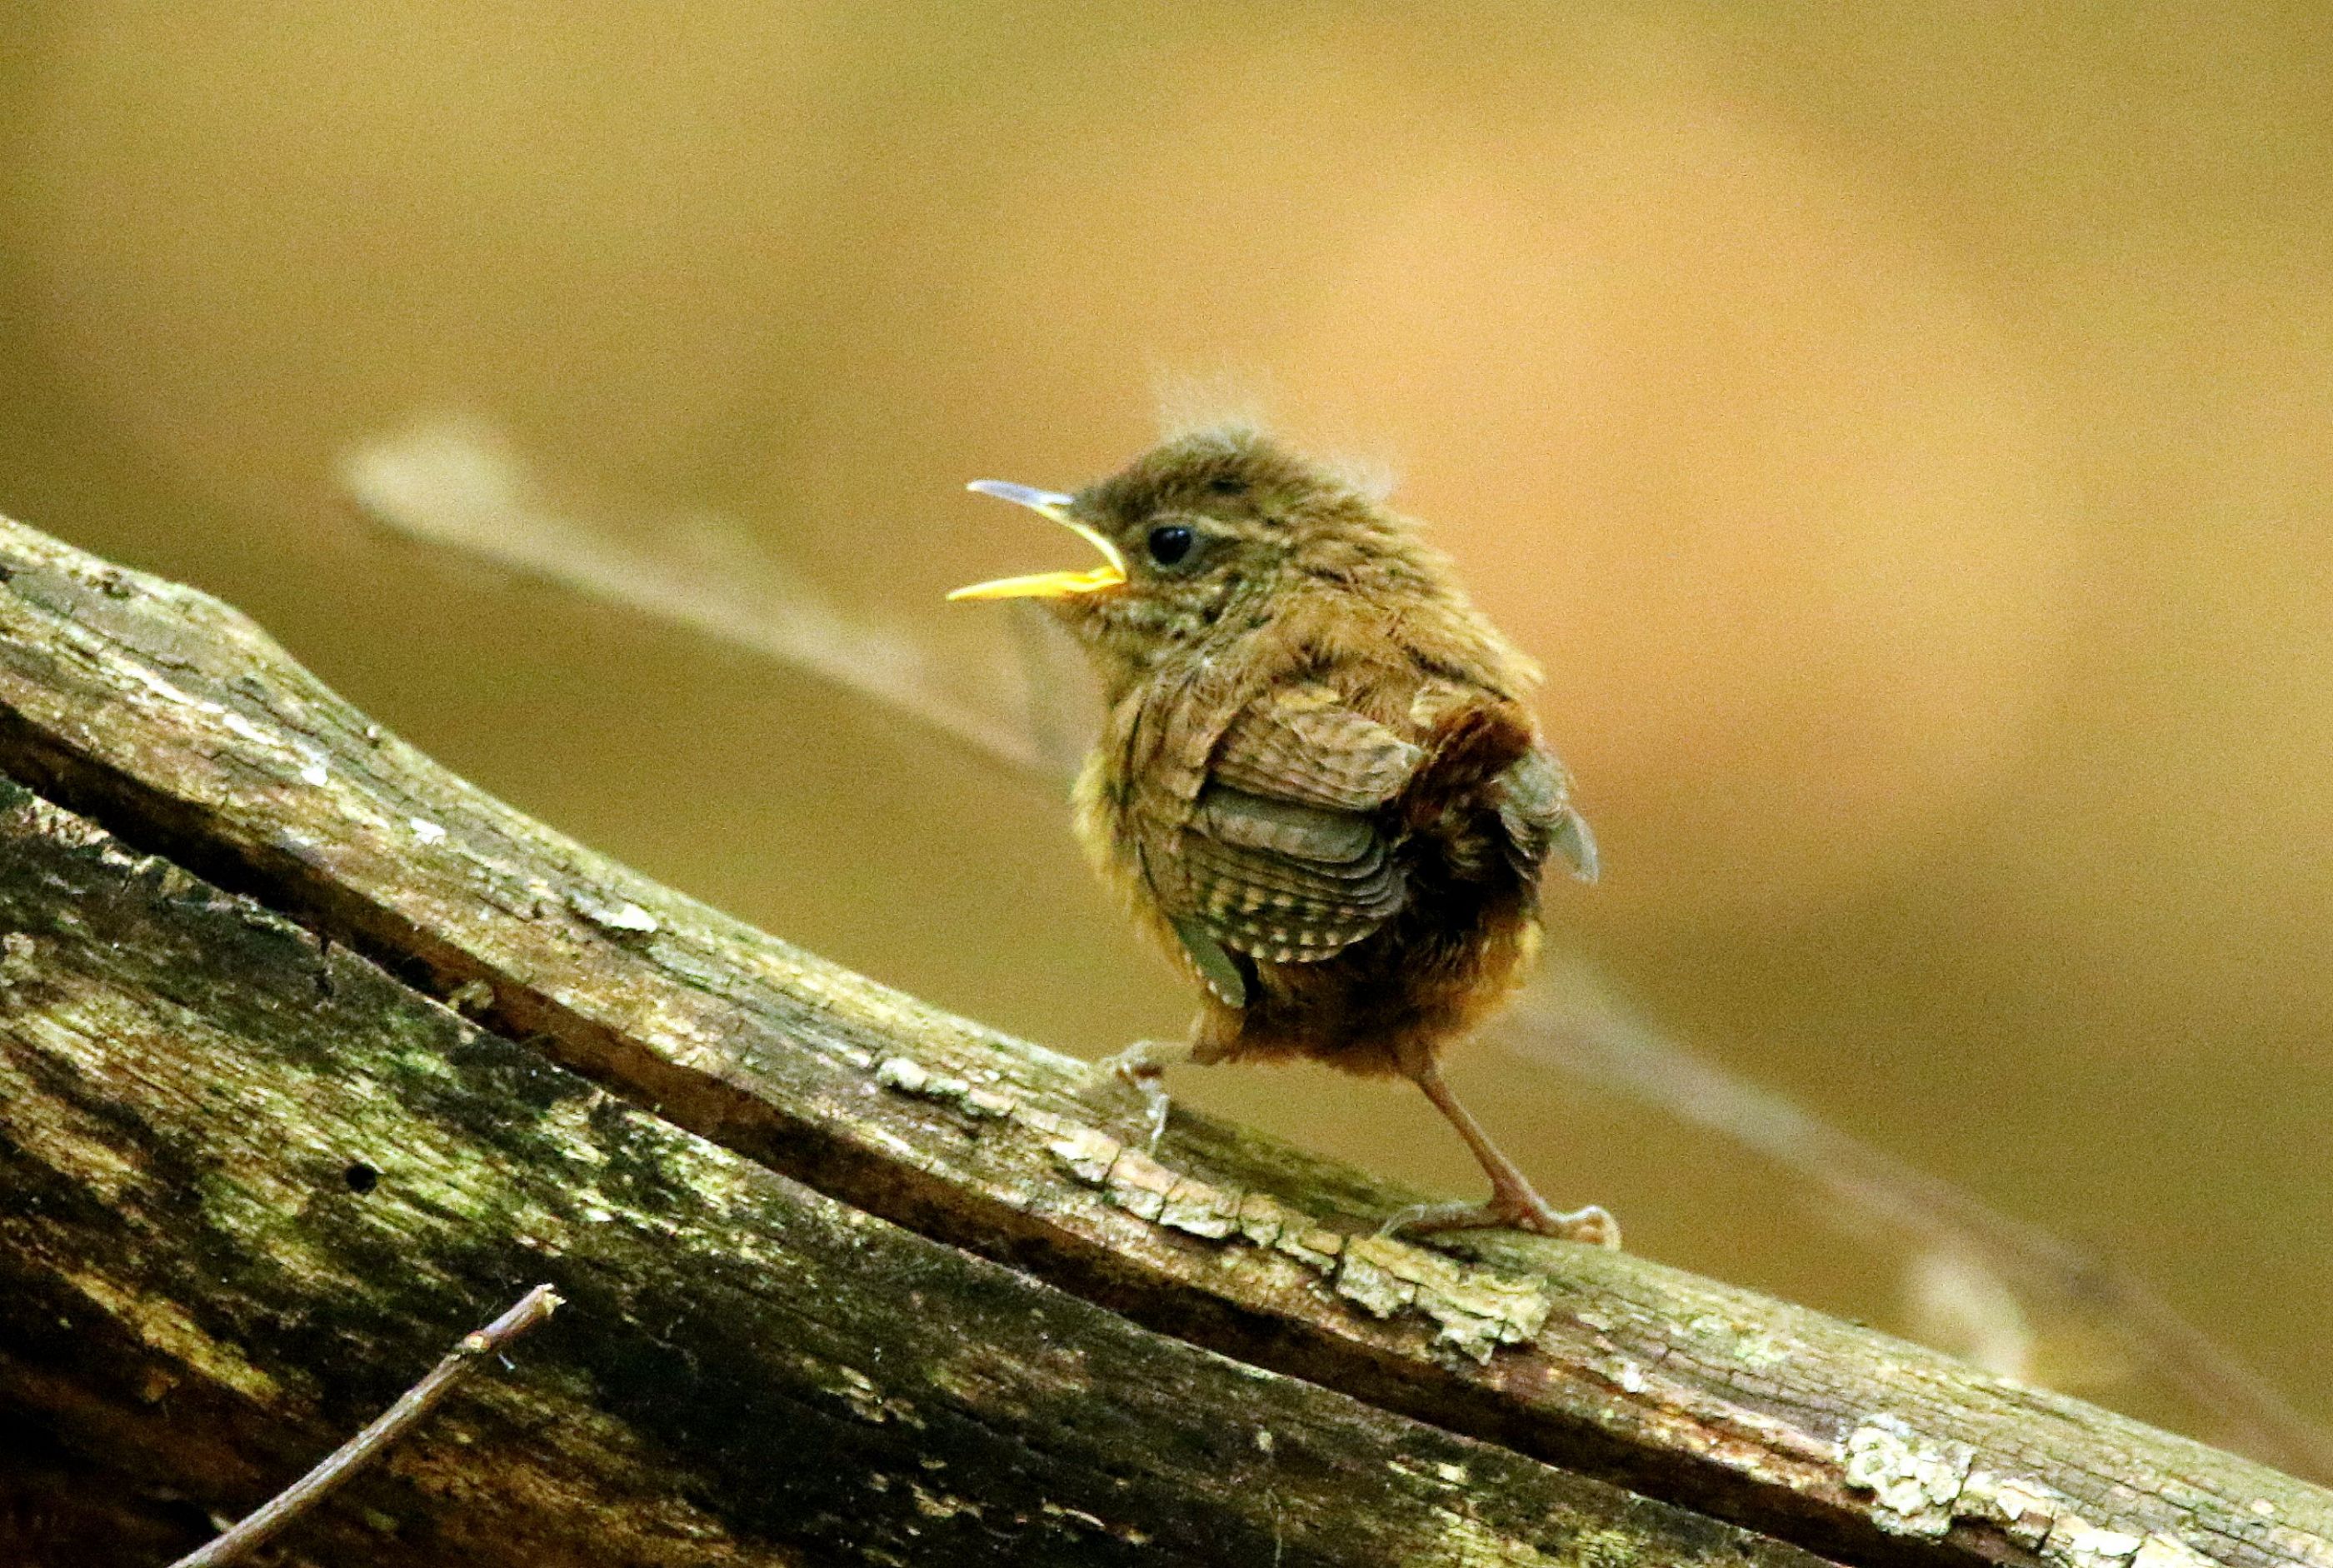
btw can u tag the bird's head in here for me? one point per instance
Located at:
(1198, 535)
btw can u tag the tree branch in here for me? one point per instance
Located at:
(921, 1221)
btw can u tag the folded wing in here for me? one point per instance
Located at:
(1285, 855)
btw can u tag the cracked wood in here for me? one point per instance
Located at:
(254, 1182)
(172, 721)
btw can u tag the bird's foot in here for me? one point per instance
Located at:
(1140, 1067)
(1514, 1203)
(1524, 1210)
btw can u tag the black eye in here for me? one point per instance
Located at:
(1170, 542)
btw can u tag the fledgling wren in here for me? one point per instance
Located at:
(1319, 787)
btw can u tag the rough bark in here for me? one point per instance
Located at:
(850, 1277)
(255, 1185)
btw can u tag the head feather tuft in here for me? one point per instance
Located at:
(1219, 400)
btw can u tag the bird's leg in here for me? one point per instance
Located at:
(1513, 1203)
(1140, 1066)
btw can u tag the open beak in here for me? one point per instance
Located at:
(1047, 584)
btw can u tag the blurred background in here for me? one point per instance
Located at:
(1906, 434)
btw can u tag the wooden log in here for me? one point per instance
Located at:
(850, 1277)
(255, 1185)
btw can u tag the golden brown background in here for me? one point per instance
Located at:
(1906, 433)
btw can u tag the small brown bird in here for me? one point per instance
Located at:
(1318, 788)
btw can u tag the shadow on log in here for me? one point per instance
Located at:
(311, 1055)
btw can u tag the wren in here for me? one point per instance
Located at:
(1320, 788)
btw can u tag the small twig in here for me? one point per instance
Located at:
(360, 1450)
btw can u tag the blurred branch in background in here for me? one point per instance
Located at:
(1977, 1282)
(1967, 1265)
(455, 482)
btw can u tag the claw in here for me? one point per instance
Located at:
(1144, 1080)
(1515, 1204)
(1140, 1067)
(1593, 1225)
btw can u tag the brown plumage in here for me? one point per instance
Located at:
(1319, 787)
